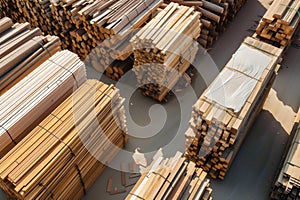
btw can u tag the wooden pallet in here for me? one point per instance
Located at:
(217, 130)
(287, 183)
(279, 23)
(22, 49)
(164, 49)
(52, 162)
(36, 95)
(173, 178)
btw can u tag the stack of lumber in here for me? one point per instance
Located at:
(22, 50)
(83, 25)
(118, 68)
(287, 184)
(115, 25)
(173, 178)
(279, 23)
(164, 49)
(225, 111)
(59, 158)
(25, 104)
(57, 165)
(215, 15)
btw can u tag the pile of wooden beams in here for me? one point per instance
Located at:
(279, 23)
(287, 184)
(59, 158)
(83, 25)
(173, 178)
(118, 68)
(225, 111)
(164, 49)
(25, 104)
(215, 15)
(22, 50)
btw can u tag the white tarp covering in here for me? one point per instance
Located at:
(231, 88)
(249, 61)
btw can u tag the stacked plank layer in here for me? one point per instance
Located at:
(22, 50)
(225, 111)
(164, 49)
(279, 23)
(287, 184)
(83, 25)
(215, 16)
(25, 104)
(173, 178)
(59, 158)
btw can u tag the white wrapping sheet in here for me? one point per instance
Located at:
(249, 61)
(232, 88)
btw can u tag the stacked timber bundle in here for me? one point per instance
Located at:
(225, 111)
(279, 23)
(173, 178)
(25, 104)
(22, 50)
(287, 184)
(215, 15)
(116, 24)
(164, 49)
(83, 25)
(59, 158)
(118, 68)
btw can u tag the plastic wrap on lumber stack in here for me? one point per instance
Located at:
(173, 178)
(226, 110)
(164, 49)
(279, 23)
(215, 15)
(287, 183)
(21, 51)
(60, 158)
(36, 95)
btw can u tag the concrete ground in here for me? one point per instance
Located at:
(255, 166)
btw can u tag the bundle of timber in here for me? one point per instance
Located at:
(21, 51)
(173, 178)
(215, 15)
(118, 68)
(224, 113)
(60, 158)
(287, 184)
(116, 24)
(83, 25)
(25, 104)
(279, 23)
(164, 49)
